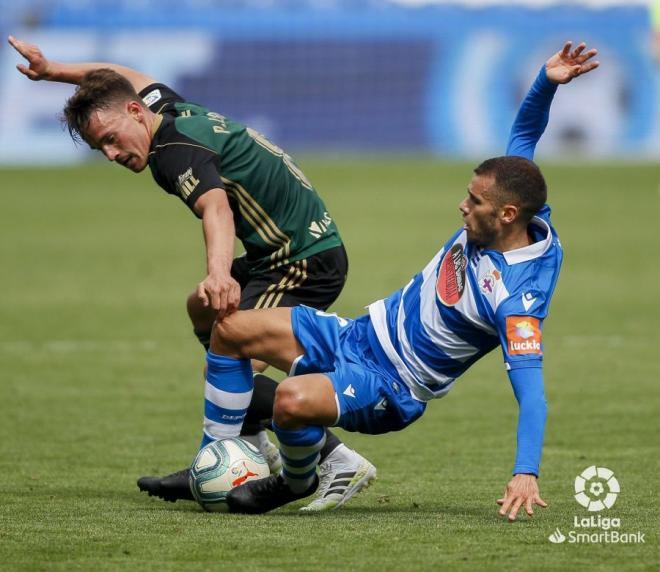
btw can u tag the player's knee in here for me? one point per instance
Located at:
(201, 317)
(193, 306)
(222, 341)
(226, 338)
(289, 405)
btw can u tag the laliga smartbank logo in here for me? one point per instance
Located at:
(596, 489)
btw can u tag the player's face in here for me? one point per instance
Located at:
(480, 212)
(121, 134)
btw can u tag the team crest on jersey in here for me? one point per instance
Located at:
(451, 276)
(488, 281)
(523, 335)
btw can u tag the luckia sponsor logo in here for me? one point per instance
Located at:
(596, 489)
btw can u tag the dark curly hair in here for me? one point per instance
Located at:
(518, 181)
(99, 89)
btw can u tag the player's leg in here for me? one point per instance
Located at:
(260, 409)
(175, 486)
(315, 282)
(342, 470)
(264, 334)
(354, 396)
(307, 402)
(304, 406)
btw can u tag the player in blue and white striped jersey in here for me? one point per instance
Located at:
(490, 285)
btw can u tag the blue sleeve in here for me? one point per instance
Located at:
(532, 117)
(528, 388)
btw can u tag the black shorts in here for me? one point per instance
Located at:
(315, 281)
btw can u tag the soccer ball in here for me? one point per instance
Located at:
(222, 465)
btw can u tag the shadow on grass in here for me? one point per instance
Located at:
(152, 505)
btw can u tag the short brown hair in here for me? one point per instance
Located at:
(518, 181)
(99, 89)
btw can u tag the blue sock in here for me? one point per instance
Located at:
(227, 395)
(300, 454)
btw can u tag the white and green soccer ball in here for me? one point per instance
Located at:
(222, 465)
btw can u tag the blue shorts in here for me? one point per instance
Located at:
(370, 396)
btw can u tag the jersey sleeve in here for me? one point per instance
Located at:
(519, 324)
(520, 328)
(187, 170)
(532, 117)
(527, 384)
(159, 98)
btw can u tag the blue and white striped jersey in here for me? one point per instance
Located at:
(466, 302)
(469, 300)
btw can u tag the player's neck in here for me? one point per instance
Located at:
(516, 238)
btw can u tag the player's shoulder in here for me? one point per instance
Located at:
(160, 98)
(529, 274)
(545, 249)
(173, 154)
(171, 138)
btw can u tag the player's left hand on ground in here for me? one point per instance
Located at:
(38, 63)
(222, 293)
(521, 491)
(569, 63)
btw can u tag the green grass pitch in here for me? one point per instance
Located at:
(101, 381)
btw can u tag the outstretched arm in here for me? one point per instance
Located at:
(41, 68)
(522, 490)
(532, 118)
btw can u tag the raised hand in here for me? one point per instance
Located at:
(38, 64)
(567, 64)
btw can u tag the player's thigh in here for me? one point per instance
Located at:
(265, 335)
(304, 400)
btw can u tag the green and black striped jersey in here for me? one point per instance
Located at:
(278, 215)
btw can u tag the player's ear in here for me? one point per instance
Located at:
(509, 213)
(134, 109)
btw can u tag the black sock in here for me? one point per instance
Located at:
(260, 413)
(331, 443)
(204, 338)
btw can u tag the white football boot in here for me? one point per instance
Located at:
(268, 449)
(343, 474)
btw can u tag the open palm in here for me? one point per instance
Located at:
(567, 64)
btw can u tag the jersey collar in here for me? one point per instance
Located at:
(160, 125)
(527, 253)
(155, 126)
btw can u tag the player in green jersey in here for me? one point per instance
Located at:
(240, 185)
